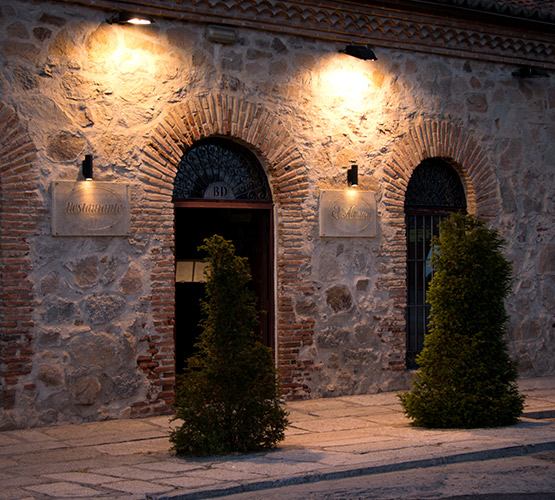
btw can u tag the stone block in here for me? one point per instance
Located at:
(18, 30)
(131, 281)
(332, 338)
(86, 390)
(477, 103)
(53, 20)
(42, 34)
(49, 284)
(362, 284)
(64, 146)
(339, 298)
(25, 79)
(62, 45)
(306, 308)
(59, 311)
(278, 45)
(360, 356)
(546, 259)
(48, 338)
(94, 350)
(23, 50)
(51, 375)
(85, 272)
(103, 307)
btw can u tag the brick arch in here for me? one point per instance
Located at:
(19, 206)
(445, 140)
(428, 139)
(261, 130)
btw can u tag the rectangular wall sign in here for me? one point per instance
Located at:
(90, 208)
(348, 213)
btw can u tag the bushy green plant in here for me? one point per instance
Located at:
(228, 397)
(466, 377)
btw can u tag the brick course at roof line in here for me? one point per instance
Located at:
(539, 9)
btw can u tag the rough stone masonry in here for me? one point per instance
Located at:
(87, 322)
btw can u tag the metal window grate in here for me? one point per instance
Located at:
(420, 231)
(434, 191)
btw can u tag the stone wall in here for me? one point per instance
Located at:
(88, 321)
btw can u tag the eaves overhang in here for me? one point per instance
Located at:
(433, 26)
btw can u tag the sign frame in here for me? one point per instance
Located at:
(348, 214)
(90, 208)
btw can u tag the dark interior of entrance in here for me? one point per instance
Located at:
(249, 230)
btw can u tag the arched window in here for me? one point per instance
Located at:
(220, 169)
(434, 191)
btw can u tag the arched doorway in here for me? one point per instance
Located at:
(433, 192)
(220, 188)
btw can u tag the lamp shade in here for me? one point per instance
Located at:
(363, 52)
(129, 18)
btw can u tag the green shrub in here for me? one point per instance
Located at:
(228, 397)
(465, 377)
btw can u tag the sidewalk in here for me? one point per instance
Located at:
(327, 438)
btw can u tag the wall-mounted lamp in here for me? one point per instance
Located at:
(352, 176)
(87, 168)
(363, 52)
(129, 18)
(220, 33)
(528, 72)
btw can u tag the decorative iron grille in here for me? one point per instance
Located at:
(223, 166)
(434, 183)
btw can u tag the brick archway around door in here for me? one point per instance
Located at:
(20, 208)
(259, 129)
(427, 139)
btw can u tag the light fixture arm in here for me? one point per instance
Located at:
(352, 176)
(87, 168)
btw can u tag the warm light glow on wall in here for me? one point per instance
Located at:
(348, 82)
(346, 90)
(346, 78)
(129, 60)
(124, 50)
(344, 84)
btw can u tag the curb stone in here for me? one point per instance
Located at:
(474, 456)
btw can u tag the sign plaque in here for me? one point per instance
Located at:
(349, 213)
(219, 191)
(90, 208)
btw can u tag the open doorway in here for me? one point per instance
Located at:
(250, 231)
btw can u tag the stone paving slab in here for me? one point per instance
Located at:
(88, 478)
(129, 472)
(139, 487)
(64, 490)
(158, 445)
(172, 467)
(131, 459)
